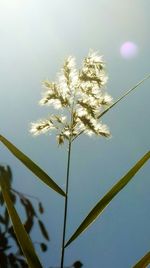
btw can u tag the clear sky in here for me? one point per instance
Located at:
(35, 37)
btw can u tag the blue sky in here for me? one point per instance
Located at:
(35, 37)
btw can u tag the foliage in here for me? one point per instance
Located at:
(144, 262)
(11, 254)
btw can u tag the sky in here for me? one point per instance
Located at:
(35, 38)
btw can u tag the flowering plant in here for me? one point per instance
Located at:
(81, 95)
(81, 100)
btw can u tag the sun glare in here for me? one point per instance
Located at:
(128, 50)
(11, 4)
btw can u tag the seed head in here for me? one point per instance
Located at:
(79, 96)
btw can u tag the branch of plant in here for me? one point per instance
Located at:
(118, 100)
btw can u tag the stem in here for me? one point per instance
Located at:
(67, 180)
(66, 206)
(118, 100)
(24, 194)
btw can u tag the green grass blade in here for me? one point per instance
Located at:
(100, 206)
(144, 262)
(123, 96)
(31, 166)
(118, 100)
(21, 235)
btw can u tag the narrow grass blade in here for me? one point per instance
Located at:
(22, 237)
(144, 262)
(100, 206)
(31, 165)
(118, 100)
(123, 96)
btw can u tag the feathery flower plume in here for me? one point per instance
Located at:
(80, 96)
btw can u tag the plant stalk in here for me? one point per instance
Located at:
(118, 100)
(66, 206)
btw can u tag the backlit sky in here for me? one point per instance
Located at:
(35, 37)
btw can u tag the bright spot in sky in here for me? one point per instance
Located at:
(128, 50)
(11, 4)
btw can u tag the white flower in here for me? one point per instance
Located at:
(81, 111)
(69, 76)
(93, 70)
(41, 126)
(81, 96)
(107, 99)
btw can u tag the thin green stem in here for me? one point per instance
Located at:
(66, 206)
(67, 180)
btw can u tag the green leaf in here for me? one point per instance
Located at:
(124, 95)
(31, 165)
(22, 236)
(100, 206)
(143, 263)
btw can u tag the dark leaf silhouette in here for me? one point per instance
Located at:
(22, 236)
(43, 247)
(77, 264)
(30, 212)
(22, 263)
(6, 218)
(3, 260)
(43, 229)
(3, 241)
(13, 258)
(41, 209)
(13, 197)
(12, 234)
(29, 224)
(1, 199)
(2, 220)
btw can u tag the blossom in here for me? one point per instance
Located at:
(41, 126)
(80, 97)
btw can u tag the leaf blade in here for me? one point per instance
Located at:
(100, 206)
(22, 236)
(31, 166)
(118, 100)
(142, 263)
(124, 95)
(43, 230)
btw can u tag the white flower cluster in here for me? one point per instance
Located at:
(81, 96)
